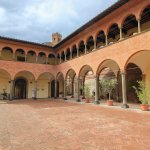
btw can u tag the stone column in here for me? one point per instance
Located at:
(65, 82)
(25, 58)
(36, 59)
(72, 89)
(46, 60)
(139, 26)
(120, 33)
(95, 44)
(49, 88)
(124, 93)
(77, 52)
(78, 90)
(65, 57)
(35, 90)
(55, 88)
(70, 54)
(14, 57)
(96, 90)
(83, 92)
(106, 39)
(11, 90)
(60, 59)
(85, 48)
(0, 54)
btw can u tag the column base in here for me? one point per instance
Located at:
(125, 106)
(78, 100)
(96, 102)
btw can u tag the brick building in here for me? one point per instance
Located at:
(114, 43)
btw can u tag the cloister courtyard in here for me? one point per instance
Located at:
(67, 125)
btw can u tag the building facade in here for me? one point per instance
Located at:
(113, 44)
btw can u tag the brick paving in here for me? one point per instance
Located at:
(58, 125)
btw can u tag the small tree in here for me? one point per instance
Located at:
(142, 92)
(108, 85)
(87, 91)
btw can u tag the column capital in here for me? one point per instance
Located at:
(123, 72)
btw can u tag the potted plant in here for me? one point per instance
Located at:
(108, 85)
(143, 93)
(87, 93)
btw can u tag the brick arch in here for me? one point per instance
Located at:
(79, 42)
(59, 74)
(97, 32)
(13, 50)
(87, 38)
(74, 44)
(69, 72)
(48, 74)
(132, 55)
(7, 72)
(23, 71)
(36, 53)
(42, 52)
(101, 67)
(21, 49)
(109, 26)
(143, 8)
(82, 69)
(126, 16)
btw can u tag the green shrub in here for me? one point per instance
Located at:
(142, 92)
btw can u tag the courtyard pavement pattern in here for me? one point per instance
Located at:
(58, 125)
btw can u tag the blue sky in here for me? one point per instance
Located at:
(36, 20)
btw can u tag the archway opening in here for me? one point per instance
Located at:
(137, 69)
(4, 84)
(74, 51)
(90, 44)
(145, 19)
(68, 54)
(20, 88)
(109, 69)
(60, 85)
(134, 74)
(113, 34)
(58, 59)
(30, 83)
(62, 57)
(86, 79)
(42, 58)
(20, 55)
(100, 40)
(70, 83)
(7, 53)
(44, 86)
(81, 48)
(130, 26)
(51, 59)
(31, 57)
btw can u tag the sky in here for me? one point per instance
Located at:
(36, 20)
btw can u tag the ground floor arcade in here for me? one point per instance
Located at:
(24, 85)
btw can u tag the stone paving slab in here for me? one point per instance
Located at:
(59, 125)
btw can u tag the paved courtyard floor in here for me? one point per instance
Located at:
(58, 125)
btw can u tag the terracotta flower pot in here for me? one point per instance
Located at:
(110, 102)
(87, 101)
(144, 107)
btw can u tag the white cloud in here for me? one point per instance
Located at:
(35, 20)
